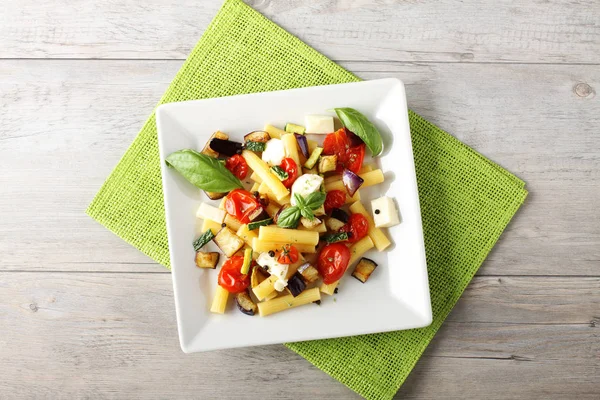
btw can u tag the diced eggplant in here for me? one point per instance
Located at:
(257, 136)
(245, 304)
(296, 284)
(364, 269)
(257, 277)
(319, 211)
(340, 214)
(207, 260)
(228, 241)
(210, 151)
(302, 144)
(334, 224)
(309, 273)
(327, 163)
(226, 147)
(215, 195)
(255, 213)
(307, 223)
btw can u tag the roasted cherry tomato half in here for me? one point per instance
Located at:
(242, 205)
(288, 254)
(334, 199)
(289, 166)
(348, 148)
(230, 277)
(357, 227)
(333, 261)
(237, 165)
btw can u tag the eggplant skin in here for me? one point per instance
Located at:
(207, 149)
(364, 269)
(296, 284)
(257, 136)
(309, 273)
(226, 147)
(245, 304)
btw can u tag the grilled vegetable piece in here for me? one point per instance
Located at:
(214, 154)
(319, 211)
(340, 214)
(351, 181)
(314, 157)
(247, 261)
(207, 260)
(257, 136)
(327, 163)
(279, 173)
(302, 144)
(228, 241)
(245, 304)
(258, 224)
(293, 128)
(226, 147)
(309, 273)
(336, 237)
(307, 223)
(258, 147)
(203, 239)
(334, 224)
(296, 284)
(364, 269)
(313, 170)
(257, 277)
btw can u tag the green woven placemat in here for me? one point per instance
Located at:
(466, 200)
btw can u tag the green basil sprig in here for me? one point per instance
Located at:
(304, 208)
(362, 127)
(202, 171)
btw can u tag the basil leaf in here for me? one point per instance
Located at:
(202, 171)
(315, 200)
(362, 127)
(299, 200)
(289, 217)
(307, 213)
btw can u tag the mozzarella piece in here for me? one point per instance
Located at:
(274, 152)
(275, 269)
(206, 211)
(385, 213)
(318, 124)
(305, 185)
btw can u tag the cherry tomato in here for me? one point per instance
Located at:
(287, 255)
(357, 226)
(334, 199)
(333, 261)
(241, 204)
(230, 277)
(237, 165)
(289, 166)
(348, 147)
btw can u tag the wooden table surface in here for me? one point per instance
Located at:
(84, 315)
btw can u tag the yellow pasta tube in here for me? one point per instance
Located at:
(321, 228)
(286, 302)
(272, 209)
(379, 238)
(329, 289)
(274, 132)
(312, 145)
(260, 246)
(337, 177)
(255, 187)
(219, 302)
(370, 178)
(265, 288)
(292, 236)
(264, 189)
(356, 251)
(255, 177)
(246, 235)
(232, 223)
(262, 170)
(291, 149)
(212, 225)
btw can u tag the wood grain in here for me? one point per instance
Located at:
(551, 31)
(98, 334)
(526, 117)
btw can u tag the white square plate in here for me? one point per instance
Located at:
(397, 294)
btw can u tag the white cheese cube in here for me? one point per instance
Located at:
(385, 213)
(206, 211)
(318, 124)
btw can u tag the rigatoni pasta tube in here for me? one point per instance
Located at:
(274, 132)
(321, 228)
(215, 227)
(255, 177)
(379, 238)
(337, 177)
(265, 288)
(272, 209)
(286, 302)
(291, 149)
(292, 236)
(262, 170)
(261, 246)
(370, 178)
(232, 223)
(263, 188)
(219, 302)
(246, 235)
(356, 251)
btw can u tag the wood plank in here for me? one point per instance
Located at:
(551, 31)
(97, 334)
(65, 112)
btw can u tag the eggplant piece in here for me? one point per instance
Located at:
(257, 277)
(351, 181)
(245, 304)
(364, 269)
(207, 260)
(327, 163)
(309, 273)
(296, 284)
(302, 144)
(215, 195)
(307, 223)
(256, 213)
(228, 241)
(334, 224)
(210, 151)
(340, 214)
(226, 147)
(319, 211)
(257, 136)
